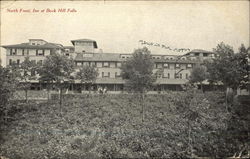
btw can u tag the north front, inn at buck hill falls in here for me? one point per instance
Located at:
(174, 69)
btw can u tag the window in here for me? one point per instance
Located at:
(176, 76)
(13, 51)
(166, 75)
(118, 64)
(159, 65)
(105, 74)
(33, 43)
(79, 64)
(23, 52)
(159, 75)
(67, 54)
(187, 77)
(189, 65)
(196, 54)
(93, 64)
(18, 61)
(117, 74)
(165, 65)
(177, 65)
(26, 51)
(10, 61)
(105, 64)
(180, 75)
(86, 64)
(205, 54)
(40, 52)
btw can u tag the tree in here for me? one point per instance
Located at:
(88, 75)
(198, 75)
(8, 83)
(138, 73)
(57, 69)
(27, 70)
(229, 68)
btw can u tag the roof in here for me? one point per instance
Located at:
(85, 40)
(37, 39)
(99, 57)
(27, 45)
(69, 47)
(116, 57)
(200, 50)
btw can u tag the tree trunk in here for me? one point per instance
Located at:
(190, 140)
(89, 88)
(60, 96)
(48, 93)
(201, 87)
(26, 95)
(142, 104)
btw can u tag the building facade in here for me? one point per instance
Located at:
(173, 71)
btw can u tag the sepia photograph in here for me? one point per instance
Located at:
(125, 79)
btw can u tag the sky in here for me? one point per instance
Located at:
(118, 26)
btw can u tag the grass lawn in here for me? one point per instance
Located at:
(110, 126)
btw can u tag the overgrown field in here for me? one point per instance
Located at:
(110, 126)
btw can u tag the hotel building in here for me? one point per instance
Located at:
(173, 70)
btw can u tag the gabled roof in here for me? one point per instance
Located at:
(28, 46)
(85, 40)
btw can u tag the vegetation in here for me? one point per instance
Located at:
(27, 73)
(88, 75)
(138, 73)
(229, 68)
(109, 127)
(8, 85)
(57, 69)
(198, 75)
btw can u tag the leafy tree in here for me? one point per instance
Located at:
(229, 68)
(138, 73)
(27, 73)
(57, 69)
(8, 85)
(88, 75)
(198, 75)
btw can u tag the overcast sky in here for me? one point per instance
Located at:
(118, 26)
